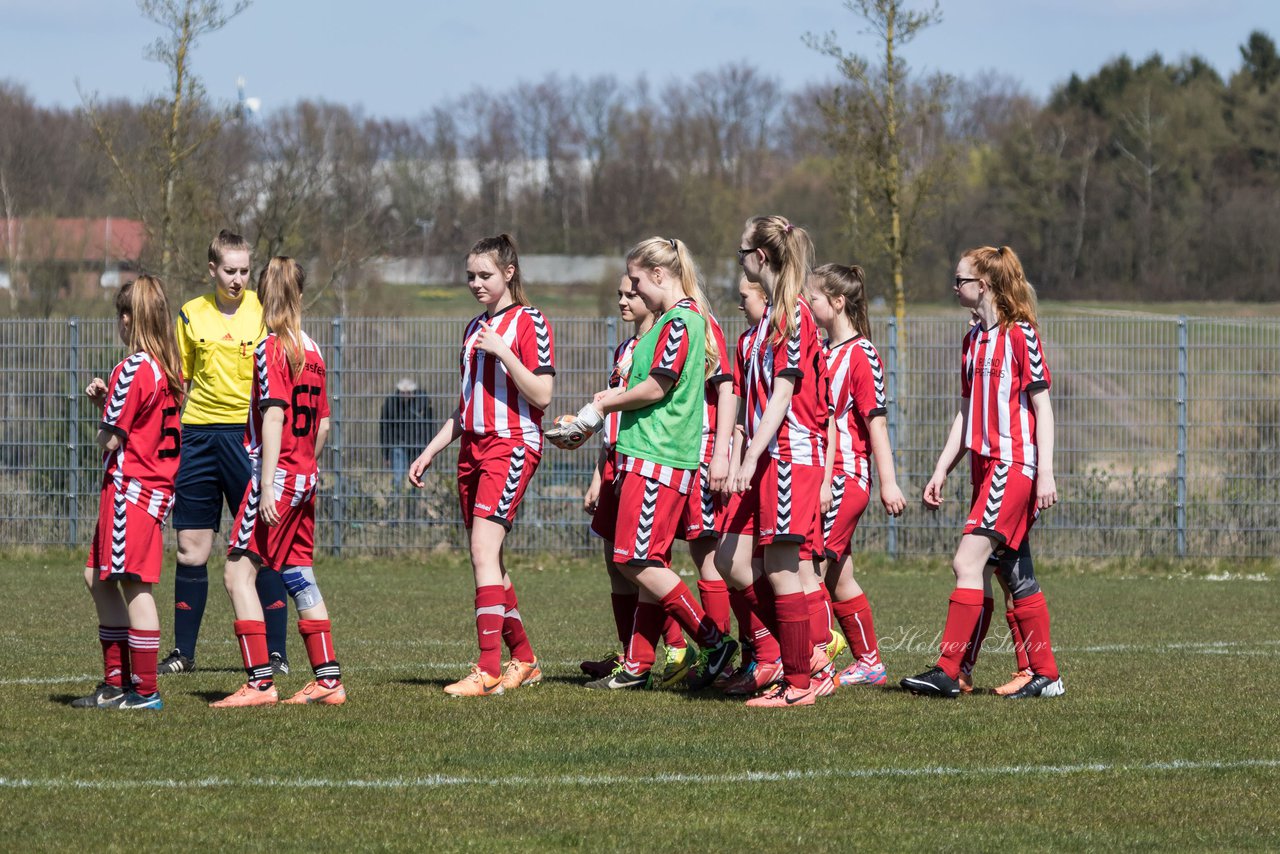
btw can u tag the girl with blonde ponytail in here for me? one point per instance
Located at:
(660, 452)
(274, 530)
(786, 395)
(140, 435)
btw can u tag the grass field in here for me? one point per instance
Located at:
(1166, 738)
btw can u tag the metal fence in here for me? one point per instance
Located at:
(1168, 435)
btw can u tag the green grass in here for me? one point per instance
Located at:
(557, 767)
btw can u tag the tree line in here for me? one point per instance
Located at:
(1143, 180)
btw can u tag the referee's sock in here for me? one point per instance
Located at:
(190, 593)
(275, 609)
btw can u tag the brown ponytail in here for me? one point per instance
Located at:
(151, 327)
(280, 286)
(503, 251)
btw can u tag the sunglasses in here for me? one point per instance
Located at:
(743, 253)
(961, 281)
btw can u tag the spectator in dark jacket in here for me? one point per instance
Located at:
(406, 427)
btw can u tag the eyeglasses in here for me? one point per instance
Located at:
(961, 281)
(743, 253)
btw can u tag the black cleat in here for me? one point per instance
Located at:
(932, 683)
(619, 679)
(176, 662)
(711, 662)
(1039, 686)
(279, 664)
(103, 697)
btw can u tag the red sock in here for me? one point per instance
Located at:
(644, 637)
(491, 604)
(1032, 614)
(715, 601)
(964, 612)
(683, 605)
(624, 615)
(144, 647)
(764, 642)
(819, 618)
(793, 637)
(513, 629)
(318, 638)
(252, 635)
(672, 634)
(115, 657)
(1015, 637)
(854, 616)
(979, 635)
(765, 603)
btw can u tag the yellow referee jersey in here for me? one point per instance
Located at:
(217, 358)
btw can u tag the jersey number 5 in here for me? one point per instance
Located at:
(304, 413)
(174, 434)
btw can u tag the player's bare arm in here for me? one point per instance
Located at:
(448, 432)
(272, 430)
(535, 388)
(952, 453)
(890, 494)
(726, 415)
(775, 411)
(1046, 486)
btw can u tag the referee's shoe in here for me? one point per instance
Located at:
(176, 662)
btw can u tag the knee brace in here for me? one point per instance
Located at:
(1018, 571)
(300, 581)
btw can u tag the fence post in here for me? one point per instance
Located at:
(73, 419)
(1181, 506)
(333, 382)
(891, 403)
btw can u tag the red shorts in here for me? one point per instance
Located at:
(604, 521)
(850, 494)
(1004, 501)
(128, 543)
(787, 506)
(703, 513)
(291, 541)
(740, 510)
(493, 474)
(648, 513)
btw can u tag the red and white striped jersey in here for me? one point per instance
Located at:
(672, 352)
(1001, 367)
(857, 396)
(618, 379)
(304, 399)
(801, 438)
(721, 372)
(490, 403)
(142, 412)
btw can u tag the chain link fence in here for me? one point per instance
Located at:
(1168, 435)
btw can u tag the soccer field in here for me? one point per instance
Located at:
(1166, 738)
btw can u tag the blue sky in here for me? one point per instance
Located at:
(397, 58)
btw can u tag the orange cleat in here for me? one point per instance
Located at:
(784, 695)
(477, 683)
(518, 673)
(754, 678)
(248, 696)
(1016, 684)
(966, 682)
(316, 693)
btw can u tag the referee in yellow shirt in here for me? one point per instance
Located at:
(217, 334)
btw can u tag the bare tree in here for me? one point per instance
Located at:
(888, 177)
(185, 122)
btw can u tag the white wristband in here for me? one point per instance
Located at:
(589, 419)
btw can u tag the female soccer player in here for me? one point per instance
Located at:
(837, 295)
(217, 334)
(659, 455)
(508, 369)
(1006, 423)
(787, 400)
(275, 528)
(761, 665)
(141, 439)
(601, 500)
